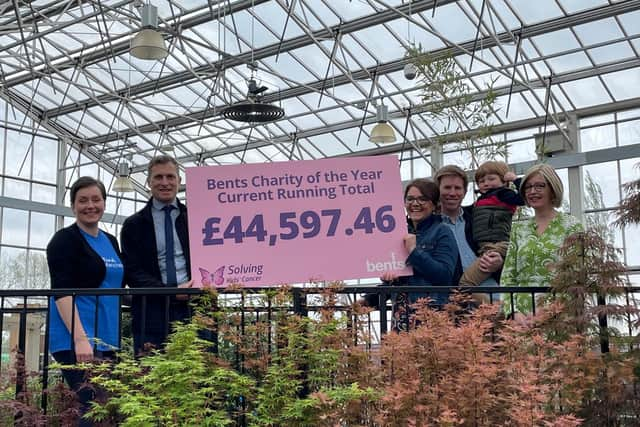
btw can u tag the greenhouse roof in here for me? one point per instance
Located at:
(327, 64)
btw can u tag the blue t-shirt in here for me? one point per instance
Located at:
(467, 256)
(107, 307)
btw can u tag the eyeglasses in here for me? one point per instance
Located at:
(419, 200)
(538, 186)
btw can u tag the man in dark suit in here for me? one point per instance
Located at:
(155, 247)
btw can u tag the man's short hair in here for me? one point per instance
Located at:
(85, 182)
(452, 170)
(491, 167)
(551, 177)
(162, 159)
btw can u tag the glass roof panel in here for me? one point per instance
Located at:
(93, 125)
(379, 40)
(331, 146)
(353, 9)
(586, 92)
(505, 15)
(306, 121)
(296, 73)
(554, 42)
(630, 22)
(623, 84)
(310, 151)
(418, 35)
(316, 14)
(335, 115)
(572, 61)
(293, 106)
(250, 32)
(612, 53)
(572, 6)
(536, 11)
(315, 59)
(598, 31)
(357, 56)
(452, 24)
(518, 108)
(278, 17)
(559, 98)
(536, 70)
(178, 90)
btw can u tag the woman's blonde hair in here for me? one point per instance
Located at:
(551, 177)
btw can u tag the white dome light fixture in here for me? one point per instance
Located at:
(410, 71)
(123, 182)
(382, 132)
(148, 43)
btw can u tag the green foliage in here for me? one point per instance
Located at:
(462, 119)
(594, 200)
(589, 281)
(455, 368)
(183, 385)
(24, 409)
(629, 210)
(590, 288)
(289, 370)
(475, 370)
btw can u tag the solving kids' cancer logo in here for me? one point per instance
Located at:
(238, 274)
(216, 278)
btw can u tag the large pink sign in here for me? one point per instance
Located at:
(295, 222)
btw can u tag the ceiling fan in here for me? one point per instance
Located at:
(253, 109)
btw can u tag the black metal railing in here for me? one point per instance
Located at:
(249, 303)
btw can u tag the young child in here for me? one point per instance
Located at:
(492, 214)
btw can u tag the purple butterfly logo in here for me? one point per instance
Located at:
(216, 278)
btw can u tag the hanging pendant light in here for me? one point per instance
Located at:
(382, 132)
(123, 182)
(149, 43)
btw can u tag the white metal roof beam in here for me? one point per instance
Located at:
(491, 41)
(392, 148)
(230, 61)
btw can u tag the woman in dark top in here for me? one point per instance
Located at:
(83, 256)
(433, 253)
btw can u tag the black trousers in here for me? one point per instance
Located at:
(78, 381)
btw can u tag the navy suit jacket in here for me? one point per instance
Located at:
(140, 253)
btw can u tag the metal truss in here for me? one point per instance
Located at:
(66, 66)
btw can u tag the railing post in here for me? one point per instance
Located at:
(300, 302)
(602, 321)
(45, 360)
(21, 365)
(300, 309)
(382, 304)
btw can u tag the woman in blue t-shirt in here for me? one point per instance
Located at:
(84, 328)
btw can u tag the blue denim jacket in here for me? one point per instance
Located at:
(433, 260)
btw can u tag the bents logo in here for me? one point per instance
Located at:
(379, 266)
